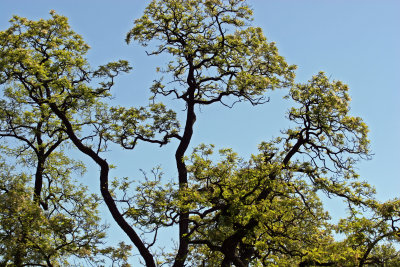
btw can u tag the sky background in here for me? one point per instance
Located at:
(355, 41)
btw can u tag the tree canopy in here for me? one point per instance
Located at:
(229, 211)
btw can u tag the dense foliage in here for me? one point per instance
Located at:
(263, 211)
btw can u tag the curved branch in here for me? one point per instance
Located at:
(104, 170)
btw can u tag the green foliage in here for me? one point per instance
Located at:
(126, 126)
(69, 228)
(263, 211)
(46, 217)
(214, 51)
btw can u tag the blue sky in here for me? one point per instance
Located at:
(355, 41)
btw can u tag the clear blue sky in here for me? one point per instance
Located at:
(355, 41)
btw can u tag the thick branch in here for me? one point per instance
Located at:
(104, 170)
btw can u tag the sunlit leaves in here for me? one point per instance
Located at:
(263, 211)
(46, 60)
(46, 218)
(129, 125)
(325, 130)
(215, 53)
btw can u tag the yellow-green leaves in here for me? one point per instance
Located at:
(215, 52)
(46, 60)
(276, 215)
(69, 228)
(129, 125)
(264, 211)
(48, 219)
(325, 129)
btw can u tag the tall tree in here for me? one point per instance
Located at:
(215, 56)
(223, 211)
(57, 219)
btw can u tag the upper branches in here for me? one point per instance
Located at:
(326, 132)
(215, 53)
(44, 61)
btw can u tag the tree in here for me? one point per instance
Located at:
(229, 211)
(58, 219)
